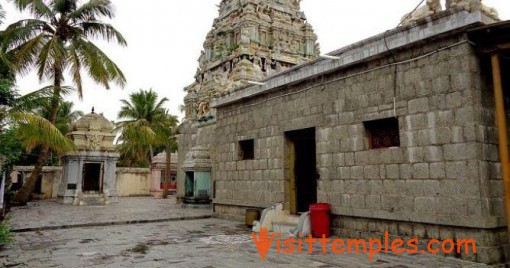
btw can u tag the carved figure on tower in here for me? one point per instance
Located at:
(249, 40)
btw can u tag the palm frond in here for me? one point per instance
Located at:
(51, 55)
(99, 30)
(35, 131)
(36, 7)
(137, 132)
(75, 68)
(100, 67)
(63, 7)
(37, 99)
(93, 9)
(2, 15)
(161, 103)
(27, 53)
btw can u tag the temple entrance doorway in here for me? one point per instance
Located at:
(92, 177)
(301, 173)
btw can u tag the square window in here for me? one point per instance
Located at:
(383, 133)
(247, 149)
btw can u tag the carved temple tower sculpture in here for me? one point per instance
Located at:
(249, 40)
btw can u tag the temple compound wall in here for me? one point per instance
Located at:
(128, 181)
(399, 130)
(133, 182)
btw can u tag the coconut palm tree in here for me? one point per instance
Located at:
(146, 124)
(31, 129)
(167, 138)
(66, 115)
(55, 42)
(140, 116)
(2, 14)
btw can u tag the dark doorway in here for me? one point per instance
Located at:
(38, 185)
(92, 177)
(189, 184)
(19, 183)
(301, 169)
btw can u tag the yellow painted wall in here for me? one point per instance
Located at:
(133, 182)
(51, 178)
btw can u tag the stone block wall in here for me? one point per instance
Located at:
(191, 136)
(443, 176)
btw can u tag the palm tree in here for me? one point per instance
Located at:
(66, 115)
(145, 124)
(56, 40)
(31, 129)
(141, 115)
(2, 14)
(131, 154)
(167, 137)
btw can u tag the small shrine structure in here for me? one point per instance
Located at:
(89, 173)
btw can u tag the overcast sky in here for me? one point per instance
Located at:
(165, 38)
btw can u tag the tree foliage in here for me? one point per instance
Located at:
(58, 39)
(11, 147)
(66, 115)
(144, 125)
(55, 42)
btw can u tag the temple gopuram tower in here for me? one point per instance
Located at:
(249, 41)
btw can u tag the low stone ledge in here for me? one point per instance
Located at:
(96, 224)
(31, 168)
(133, 170)
(243, 203)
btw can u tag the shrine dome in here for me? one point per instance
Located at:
(93, 122)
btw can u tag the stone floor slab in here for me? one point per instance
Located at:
(194, 243)
(50, 214)
(148, 232)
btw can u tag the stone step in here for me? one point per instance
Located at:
(92, 199)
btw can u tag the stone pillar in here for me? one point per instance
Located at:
(109, 176)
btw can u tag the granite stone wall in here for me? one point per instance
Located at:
(191, 135)
(443, 181)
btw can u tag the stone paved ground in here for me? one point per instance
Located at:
(49, 213)
(186, 243)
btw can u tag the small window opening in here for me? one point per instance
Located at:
(247, 149)
(383, 133)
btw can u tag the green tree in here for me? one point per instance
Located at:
(165, 136)
(145, 124)
(2, 15)
(57, 40)
(66, 115)
(7, 99)
(17, 121)
(140, 116)
(11, 147)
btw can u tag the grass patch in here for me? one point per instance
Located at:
(6, 236)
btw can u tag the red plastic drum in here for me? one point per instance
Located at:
(319, 216)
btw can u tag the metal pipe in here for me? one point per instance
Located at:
(502, 132)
